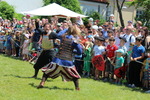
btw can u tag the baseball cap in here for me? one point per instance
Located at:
(90, 36)
(120, 50)
(139, 38)
(58, 24)
(95, 27)
(90, 19)
(28, 15)
(99, 38)
(112, 15)
(124, 39)
(129, 21)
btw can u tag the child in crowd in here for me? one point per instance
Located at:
(87, 59)
(117, 35)
(125, 56)
(145, 73)
(110, 55)
(8, 43)
(25, 46)
(13, 44)
(119, 66)
(98, 60)
(122, 44)
(2, 39)
(110, 34)
(138, 54)
(33, 56)
(129, 52)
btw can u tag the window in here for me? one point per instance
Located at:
(139, 13)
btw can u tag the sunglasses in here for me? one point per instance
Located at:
(111, 40)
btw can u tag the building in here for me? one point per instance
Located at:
(107, 7)
(128, 13)
(100, 6)
(104, 7)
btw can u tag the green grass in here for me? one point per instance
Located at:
(15, 84)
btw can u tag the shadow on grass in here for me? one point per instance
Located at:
(136, 89)
(123, 86)
(17, 76)
(13, 57)
(51, 88)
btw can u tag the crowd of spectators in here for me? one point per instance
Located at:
(124, 51)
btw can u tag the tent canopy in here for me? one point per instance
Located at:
(53, 9)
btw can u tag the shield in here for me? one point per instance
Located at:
(99, 62)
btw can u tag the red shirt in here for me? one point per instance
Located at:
(83, 41)
(111, 50)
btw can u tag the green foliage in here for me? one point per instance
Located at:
(70, 4)
(96, 16)
(35, 17)
(116, 24)
(18, 16)
(145, 4)
(6, 11)
(16, 84)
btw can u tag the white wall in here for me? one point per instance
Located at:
(87, 6)
(25, 5)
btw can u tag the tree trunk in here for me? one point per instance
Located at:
(120, 13)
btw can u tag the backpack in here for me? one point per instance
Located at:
(129, 38)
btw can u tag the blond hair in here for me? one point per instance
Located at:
(74, 30)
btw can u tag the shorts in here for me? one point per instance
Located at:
(145, 75)
(109, 67)
(1, 46)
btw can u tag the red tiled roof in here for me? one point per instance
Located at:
(100, 0)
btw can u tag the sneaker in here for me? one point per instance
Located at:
(129, 85)
(40, 86)
(32, 62)
(34, 77)
(119, 83)
(147, 91)
(105, 80)
(78, 89)
(115, 83)
(132, 86)
(111, 80)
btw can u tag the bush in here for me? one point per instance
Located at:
(18, 16)
(96, 16)
(6, 11)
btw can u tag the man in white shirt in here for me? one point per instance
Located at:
(129, 37)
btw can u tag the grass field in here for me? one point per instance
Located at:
(15, 84)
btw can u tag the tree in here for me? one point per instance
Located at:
(97, 17)
(70, 4)
(6, 11)
(119, 7)
(145, 4)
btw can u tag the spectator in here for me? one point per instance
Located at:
(110, 54)
(129, 37)
(134, 66)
